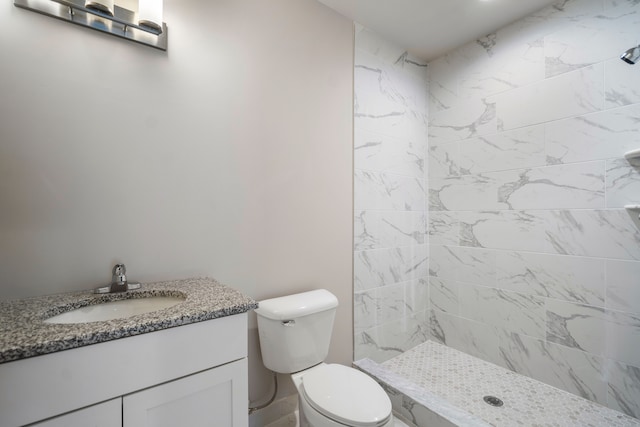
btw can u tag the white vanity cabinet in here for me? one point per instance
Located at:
(189, 376)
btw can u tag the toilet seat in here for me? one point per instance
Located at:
(346, 396)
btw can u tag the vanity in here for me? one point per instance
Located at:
(178, 366)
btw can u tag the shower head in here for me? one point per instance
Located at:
(631, 56)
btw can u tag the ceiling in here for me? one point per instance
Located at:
(429, 28)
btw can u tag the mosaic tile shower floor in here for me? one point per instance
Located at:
(451, 379)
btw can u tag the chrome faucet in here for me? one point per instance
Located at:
(119, 282)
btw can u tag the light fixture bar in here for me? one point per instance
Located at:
(74, 11)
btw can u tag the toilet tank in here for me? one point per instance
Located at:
(295, 330)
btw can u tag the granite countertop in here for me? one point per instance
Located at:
(23, 333)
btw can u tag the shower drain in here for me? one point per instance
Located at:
(493, 401)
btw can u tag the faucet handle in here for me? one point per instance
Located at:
(119, 274)
(119, 281)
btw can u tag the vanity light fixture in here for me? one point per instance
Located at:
(145, 26)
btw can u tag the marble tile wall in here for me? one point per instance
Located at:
(390, 219)
(534, 264)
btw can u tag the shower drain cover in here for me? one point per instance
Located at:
(493, 401)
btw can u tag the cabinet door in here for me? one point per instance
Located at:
(106, 414)
(214, 398)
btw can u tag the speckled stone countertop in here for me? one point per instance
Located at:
(23, 333)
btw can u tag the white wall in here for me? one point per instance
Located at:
(229, 156)
(534, 261)
(390, 242)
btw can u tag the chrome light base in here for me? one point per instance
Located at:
(123, 23)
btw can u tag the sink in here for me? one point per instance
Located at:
(116, 309)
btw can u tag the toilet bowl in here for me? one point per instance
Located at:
(295, 332)
(337, 396)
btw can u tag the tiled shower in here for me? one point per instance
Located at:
(390, 239)
(489, 199)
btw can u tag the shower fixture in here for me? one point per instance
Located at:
(631, 56)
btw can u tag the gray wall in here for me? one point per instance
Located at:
(534, 261)
(228, 156)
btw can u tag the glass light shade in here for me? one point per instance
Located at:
(150, 13)
(105, 6)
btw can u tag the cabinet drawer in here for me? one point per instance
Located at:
(106, 414)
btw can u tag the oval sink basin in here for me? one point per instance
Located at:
(115, 310)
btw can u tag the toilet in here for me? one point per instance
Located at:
(295, 332)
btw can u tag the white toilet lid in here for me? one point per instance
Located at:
(346, 395)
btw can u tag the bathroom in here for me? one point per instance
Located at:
(232, 156)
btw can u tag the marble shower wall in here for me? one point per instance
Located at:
(390, 219)
(534, 262)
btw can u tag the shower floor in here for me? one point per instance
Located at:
(434, 385)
